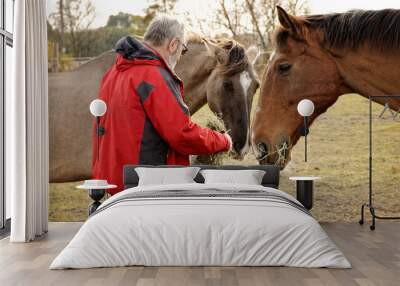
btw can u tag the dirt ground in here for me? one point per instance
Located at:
(337, 152)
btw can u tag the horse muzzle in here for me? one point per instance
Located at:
(266, 155)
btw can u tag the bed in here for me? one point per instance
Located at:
(198, 224)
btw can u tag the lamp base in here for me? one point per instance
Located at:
(96, 195)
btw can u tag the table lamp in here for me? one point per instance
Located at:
(98, 108)
(305, 108)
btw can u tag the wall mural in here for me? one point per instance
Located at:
(247, 84)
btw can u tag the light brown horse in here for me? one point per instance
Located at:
(218, 72)
(322, 57)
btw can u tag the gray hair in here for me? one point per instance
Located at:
(163, 28)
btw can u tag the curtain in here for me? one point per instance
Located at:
(27, 124)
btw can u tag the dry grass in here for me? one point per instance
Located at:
(67, 203)
(338, 153)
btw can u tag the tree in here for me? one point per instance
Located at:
(121, 20)
(62, 26)
(230, 16)
(257, 17)
(266, 17)
(166, 6)
(159, 6)
(296, 7)
(79, 16)
(254, 19)
(73, 16)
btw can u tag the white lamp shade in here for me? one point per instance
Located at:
(98, 107)
(305, 107)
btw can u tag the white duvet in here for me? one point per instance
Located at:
(190, 231)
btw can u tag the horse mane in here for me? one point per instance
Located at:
(354, 28)
(237, 60)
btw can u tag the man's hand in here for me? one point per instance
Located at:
(229, 140)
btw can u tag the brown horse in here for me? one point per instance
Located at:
(218, 72)
(321, 57)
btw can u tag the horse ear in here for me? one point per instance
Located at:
(253, 53)
(215, 51)
(289, 22)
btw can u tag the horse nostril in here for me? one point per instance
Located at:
(263, 148)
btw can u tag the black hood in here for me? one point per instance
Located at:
(130, 48)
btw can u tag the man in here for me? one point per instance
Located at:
(147, 121)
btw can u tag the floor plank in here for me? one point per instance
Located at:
(375, 257)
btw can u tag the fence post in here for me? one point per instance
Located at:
(54, 60)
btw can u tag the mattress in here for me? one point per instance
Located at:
(201, 225)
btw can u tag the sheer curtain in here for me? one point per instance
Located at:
(27, 124)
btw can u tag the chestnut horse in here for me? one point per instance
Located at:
(322, 57)
(218, 72)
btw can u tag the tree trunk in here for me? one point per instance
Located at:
(228, 19)
(250, 6)
(62, 27)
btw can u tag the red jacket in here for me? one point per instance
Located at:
(147, 121)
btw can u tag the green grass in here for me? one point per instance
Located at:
(337, 152)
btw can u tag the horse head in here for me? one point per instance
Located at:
(231, 87)
(299, 68)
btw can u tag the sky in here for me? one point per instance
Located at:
(204, 8)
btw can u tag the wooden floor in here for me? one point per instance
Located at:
(375, 257)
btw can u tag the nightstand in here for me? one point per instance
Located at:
(304, 190)
(96, 190)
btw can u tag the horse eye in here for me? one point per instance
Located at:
(283, 69)
(228, 85)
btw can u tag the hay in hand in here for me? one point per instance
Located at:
(215, 124)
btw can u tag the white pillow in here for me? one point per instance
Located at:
(248, 177)
(163, 176)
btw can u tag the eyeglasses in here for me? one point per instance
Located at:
(184, 49)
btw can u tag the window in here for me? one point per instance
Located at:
(9, 19)
(6, 44)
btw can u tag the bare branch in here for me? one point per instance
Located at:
(250, 7)
(227, 18)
